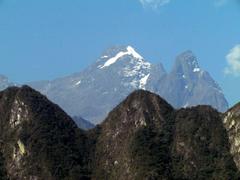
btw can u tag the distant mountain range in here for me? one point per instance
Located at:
(82, 123)
(143, 137)
(93, 92)
(4, 82)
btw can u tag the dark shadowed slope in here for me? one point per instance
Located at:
(142, 138)
(145, 138)
(201, 149)
(39, 140)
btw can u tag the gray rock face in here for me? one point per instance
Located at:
(93, 92)
(232, 125)
(189, 85)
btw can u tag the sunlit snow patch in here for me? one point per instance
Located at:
(130, 51)
(143, 82)
(196, 70)
(78, 83)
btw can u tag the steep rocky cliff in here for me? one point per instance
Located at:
(232, 124)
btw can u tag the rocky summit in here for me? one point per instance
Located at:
(95, 91)
(143, 137)
(37, 139)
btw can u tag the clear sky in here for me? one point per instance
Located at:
(46, 39)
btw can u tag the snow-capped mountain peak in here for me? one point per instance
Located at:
(130, 51)
(121, 70)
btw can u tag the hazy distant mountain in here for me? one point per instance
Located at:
(82, 123)
(93, 92)
(4, 82)
(189, 85)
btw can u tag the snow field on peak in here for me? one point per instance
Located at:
(130, 51)
(143, 82)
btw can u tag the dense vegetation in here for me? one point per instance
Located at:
(193, 145)
(3, 173)
(200, 148)
(142, 138)
(55, 147)
(151, 153)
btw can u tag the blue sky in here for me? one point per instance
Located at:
(52, 38)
